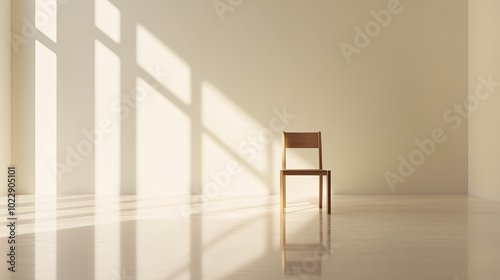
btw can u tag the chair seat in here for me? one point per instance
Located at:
(305, 172)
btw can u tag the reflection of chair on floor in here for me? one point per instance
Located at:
(304, 140)
(305, 258)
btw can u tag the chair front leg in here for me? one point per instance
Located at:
(329, 192)
(282, 192)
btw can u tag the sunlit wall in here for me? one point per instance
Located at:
(45, 120)
(163, 123)
(181, 97)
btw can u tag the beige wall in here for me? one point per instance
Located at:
(484, 151)
(219, 81)
(4, 89)
(23, 111)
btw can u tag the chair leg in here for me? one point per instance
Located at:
(329, 192)
(321, 191)
(282, 193)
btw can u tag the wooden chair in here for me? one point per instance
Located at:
(304, 140)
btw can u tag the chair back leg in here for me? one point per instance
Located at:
(321, 191)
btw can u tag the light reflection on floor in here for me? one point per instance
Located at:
(366, 237)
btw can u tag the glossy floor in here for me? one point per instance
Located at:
(366, 237)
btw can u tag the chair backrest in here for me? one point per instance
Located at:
(301, 140)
